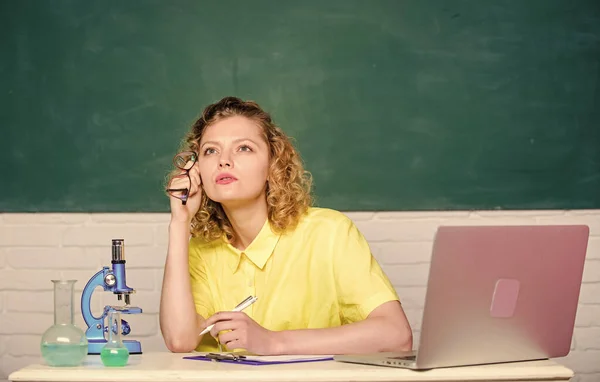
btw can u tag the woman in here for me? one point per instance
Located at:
(245, 198)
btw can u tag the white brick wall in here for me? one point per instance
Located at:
(35, 248)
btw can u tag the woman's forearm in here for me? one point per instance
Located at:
(179, 322)
(376, 334)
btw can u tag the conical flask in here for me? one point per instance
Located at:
(64, 344)
(114, 353)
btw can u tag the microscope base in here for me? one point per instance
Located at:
(95, 346)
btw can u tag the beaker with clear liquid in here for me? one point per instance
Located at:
(64, 344)
(114, 353)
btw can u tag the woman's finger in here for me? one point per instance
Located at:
(195, 173)
(195, 178)
(227, 337)
(179, 182)
(177, 178)
(195, 184)
(236, 344)
(193, 189)
(222, 325)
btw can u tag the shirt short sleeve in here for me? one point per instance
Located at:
(361, 284)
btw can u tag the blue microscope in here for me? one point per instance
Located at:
(112, 280)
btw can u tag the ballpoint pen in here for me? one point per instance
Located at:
(241, 306)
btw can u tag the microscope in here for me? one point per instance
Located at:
(112, 280)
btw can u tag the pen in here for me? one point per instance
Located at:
(241, 306)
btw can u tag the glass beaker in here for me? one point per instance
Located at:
(64, 344)
(114, 353)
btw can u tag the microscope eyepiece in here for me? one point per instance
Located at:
(118, 251)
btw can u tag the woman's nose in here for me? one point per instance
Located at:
(224, 162)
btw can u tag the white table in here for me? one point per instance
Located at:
(159, 367)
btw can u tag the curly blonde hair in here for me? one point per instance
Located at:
(288, 187)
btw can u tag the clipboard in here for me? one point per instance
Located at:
(258, 360)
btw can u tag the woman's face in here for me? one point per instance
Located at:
(234, 161)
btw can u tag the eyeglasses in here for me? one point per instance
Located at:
(183, 161)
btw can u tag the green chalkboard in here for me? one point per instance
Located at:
(395, 105)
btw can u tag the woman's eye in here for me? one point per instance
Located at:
(245, 148)
(209, 151)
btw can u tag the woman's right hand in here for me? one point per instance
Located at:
(184, 213)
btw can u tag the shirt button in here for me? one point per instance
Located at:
(250, 283)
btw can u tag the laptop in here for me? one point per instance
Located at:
(496, 294)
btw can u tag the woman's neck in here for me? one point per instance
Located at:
(247, 221)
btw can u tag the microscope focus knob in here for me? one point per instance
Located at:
(110, 279)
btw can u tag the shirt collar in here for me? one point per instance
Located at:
(260, 249)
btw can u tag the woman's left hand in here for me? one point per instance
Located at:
(242, 332)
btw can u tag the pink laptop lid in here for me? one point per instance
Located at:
(501, 293)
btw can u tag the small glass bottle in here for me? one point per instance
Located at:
(114, 353)
(64, 344)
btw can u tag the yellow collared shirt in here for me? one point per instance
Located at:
(319, 275)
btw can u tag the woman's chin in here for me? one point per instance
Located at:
(237, 201)
(233, 200)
